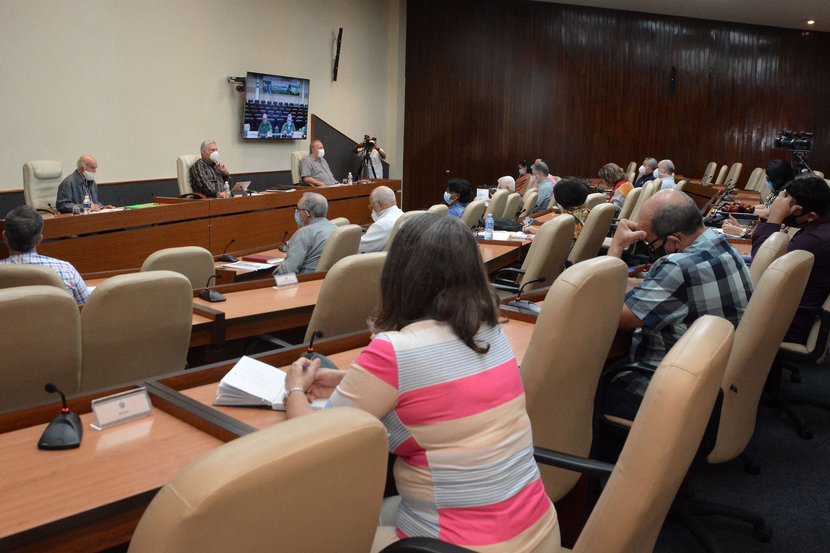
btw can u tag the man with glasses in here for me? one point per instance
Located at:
(306, 245)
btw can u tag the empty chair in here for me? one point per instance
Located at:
(756, 180)
(41, 179)
(135, 326)
(512, 206)
(630, 203)
(721, 175)
(473, 213)
(296, 157)
(631, 168)
(595, 199)
(681, 185)
(773, 247)
(343, 241)
(648, 190)
(441, 209)
(348, 297)
(529, 203)
(709, 173)
(183, 164)
(497, 203)
(631, 176)
(41, 342)
(271, 489)
(733, 175)
(593, 233)
(12, 275)
(398, 222)
(192, 261)
(340, 221)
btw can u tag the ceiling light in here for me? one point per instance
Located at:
(811, 22)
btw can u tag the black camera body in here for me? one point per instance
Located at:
(801, 141)
(369, 143)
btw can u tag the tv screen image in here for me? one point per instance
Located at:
(276, 107)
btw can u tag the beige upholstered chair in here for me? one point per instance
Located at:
(497, 202)
(631, 176)
(135, 326)
(12, 275)
(593, 234)
(313, 483)
(473, 213)
(631, 168)
(398, 222)
(529, 202)
(733, 175)
(709, 173)
(648, 190)
(341, 221)
(630, 203)
(681, 184)
(41, 179)
(441, 209)
(183, 164)
(342, 242)
(348, 297)
(42, 345)
(721, 174)
(295, 165)
(563, 360)
(512, 206)
(192, 261)
(595, 199)
(756, 180)
(773, 247)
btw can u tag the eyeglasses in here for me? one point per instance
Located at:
(297, 210)
(652, 245)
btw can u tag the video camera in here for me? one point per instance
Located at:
(369, 143)
(801, 141)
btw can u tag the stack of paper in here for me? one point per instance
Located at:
(254, 383)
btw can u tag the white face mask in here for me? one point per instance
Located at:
(214, 156)
(321, 152)
(375, 215)
(642, 170)
(657, 174)
(89, 175)
(522, 170)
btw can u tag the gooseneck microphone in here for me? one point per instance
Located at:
(212, 296)
(311, 354)
(226, 256)
(65, 431)
(525, 305)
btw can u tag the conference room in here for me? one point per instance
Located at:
(457, 89)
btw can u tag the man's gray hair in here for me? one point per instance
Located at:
(671, 218)
(205, 145)
(651, 162)
(541, 168)
(316, 204)
(669, 165)
(383, 195)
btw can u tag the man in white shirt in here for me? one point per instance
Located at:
(665, 172)
(385, 212)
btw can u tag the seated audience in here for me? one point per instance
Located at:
(23, 233)
(208, 175)
(506, 183)
(803, 203)
(523, 182)
(778, 173)
(665, 172)
(453, 425)
(385, 212)
(646, 172)
(543, 184)
(458, 194)
(613, 178)
(570, 194)
(314, 169)
(307, 244)
(78, 184)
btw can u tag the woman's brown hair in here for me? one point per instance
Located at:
(611, 174)
(434, 271)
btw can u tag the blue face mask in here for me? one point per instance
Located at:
(769, 185)
(447, 198)
(297, 219)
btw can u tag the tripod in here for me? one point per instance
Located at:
(366, 164)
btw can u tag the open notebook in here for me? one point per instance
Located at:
(252, 383)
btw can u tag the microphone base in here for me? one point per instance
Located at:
(64, 432)
(228, 258)
(211, 295)
(325, 362)
(526, 306)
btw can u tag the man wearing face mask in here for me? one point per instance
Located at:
(543, 185)
(81, 182)
(646, 172)
(385, 212)
(306, 245)
(209, 175)
(665, 172)
(314, 169)
(803, 203)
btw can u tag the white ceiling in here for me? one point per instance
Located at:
(792, 14)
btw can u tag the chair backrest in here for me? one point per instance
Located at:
(631, 176)
(529, 202)
(441, 209)
(135, 326)
(681, 184)
(761, 330)
(564, 358)
(813, 345)
(398, 222)
(343, 241)
(773, 247)
(296, 157)
(721, 175)
(630, 203)
(473, 213)
(271, 489)
(756, 180)
(183, 164)
(734, 174)
(593, 233)
(512, 206)
(40, 341)
(547, 254)
(194, 262)
(663, 440)
(497, 202)
(341, 221)
(631, 168)
(12, 275)
(648, 190)
(41, 179)
(595, 199)
(709, 173)
(349, 295)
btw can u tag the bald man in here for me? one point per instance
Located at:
(81, 182)
(385, 212)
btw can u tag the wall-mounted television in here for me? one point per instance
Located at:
(276, 107)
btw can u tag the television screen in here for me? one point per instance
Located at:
(276, 107)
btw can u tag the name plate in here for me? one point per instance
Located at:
(285, 280)
(120, 408)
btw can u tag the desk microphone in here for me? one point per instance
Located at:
(525, 305)
(226, 256)
(65, 430)
(311, 354)
(211, 295)
(283, 247)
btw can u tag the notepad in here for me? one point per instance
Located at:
(248, 266)
(262, 258)
(252, 383)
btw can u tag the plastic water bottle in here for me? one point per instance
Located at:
(227, 189)
(488, 227)
(87, 205)
(349, 180)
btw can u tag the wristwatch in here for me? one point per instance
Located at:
(290, 391)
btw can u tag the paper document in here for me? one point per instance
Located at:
(248, 266)
(252, 383)
(504, 235)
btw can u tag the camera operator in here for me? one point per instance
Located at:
(375, 155)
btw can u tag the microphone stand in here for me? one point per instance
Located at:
(524, 305)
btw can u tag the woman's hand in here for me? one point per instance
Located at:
(325, 382)
(302, 373)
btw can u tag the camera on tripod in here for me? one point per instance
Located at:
(369, 143)
(800, 141)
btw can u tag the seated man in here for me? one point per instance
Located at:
(385, 212)
(665, 172)
(646, 172)
(306, 245)
(314, 169)
(266, 129)
(208, 175)
(23, 233)
(506, 183)
(543, 185)
(288, 127)
(81, 182)
(805, 203)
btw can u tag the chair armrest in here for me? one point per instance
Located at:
(507, 287)
(510, 270)
(572, 462)
(423, 545)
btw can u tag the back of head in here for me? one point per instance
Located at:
(24, 226)
(507, 182)
(671, 212)
(434, 271)
(570, 192)
(651, 163)
(611, 174)
(779, 172)
(384, 196)
(666, 166)
(316, 204)
(541, 167)
(811, 193)
(463, 188)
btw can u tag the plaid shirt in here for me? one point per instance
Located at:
(708, 278)
(74, 283)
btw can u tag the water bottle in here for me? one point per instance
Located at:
(87, 205)
(349, 180)
(488, 227)
(227, 189)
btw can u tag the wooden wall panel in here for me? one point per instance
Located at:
(491, 82)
